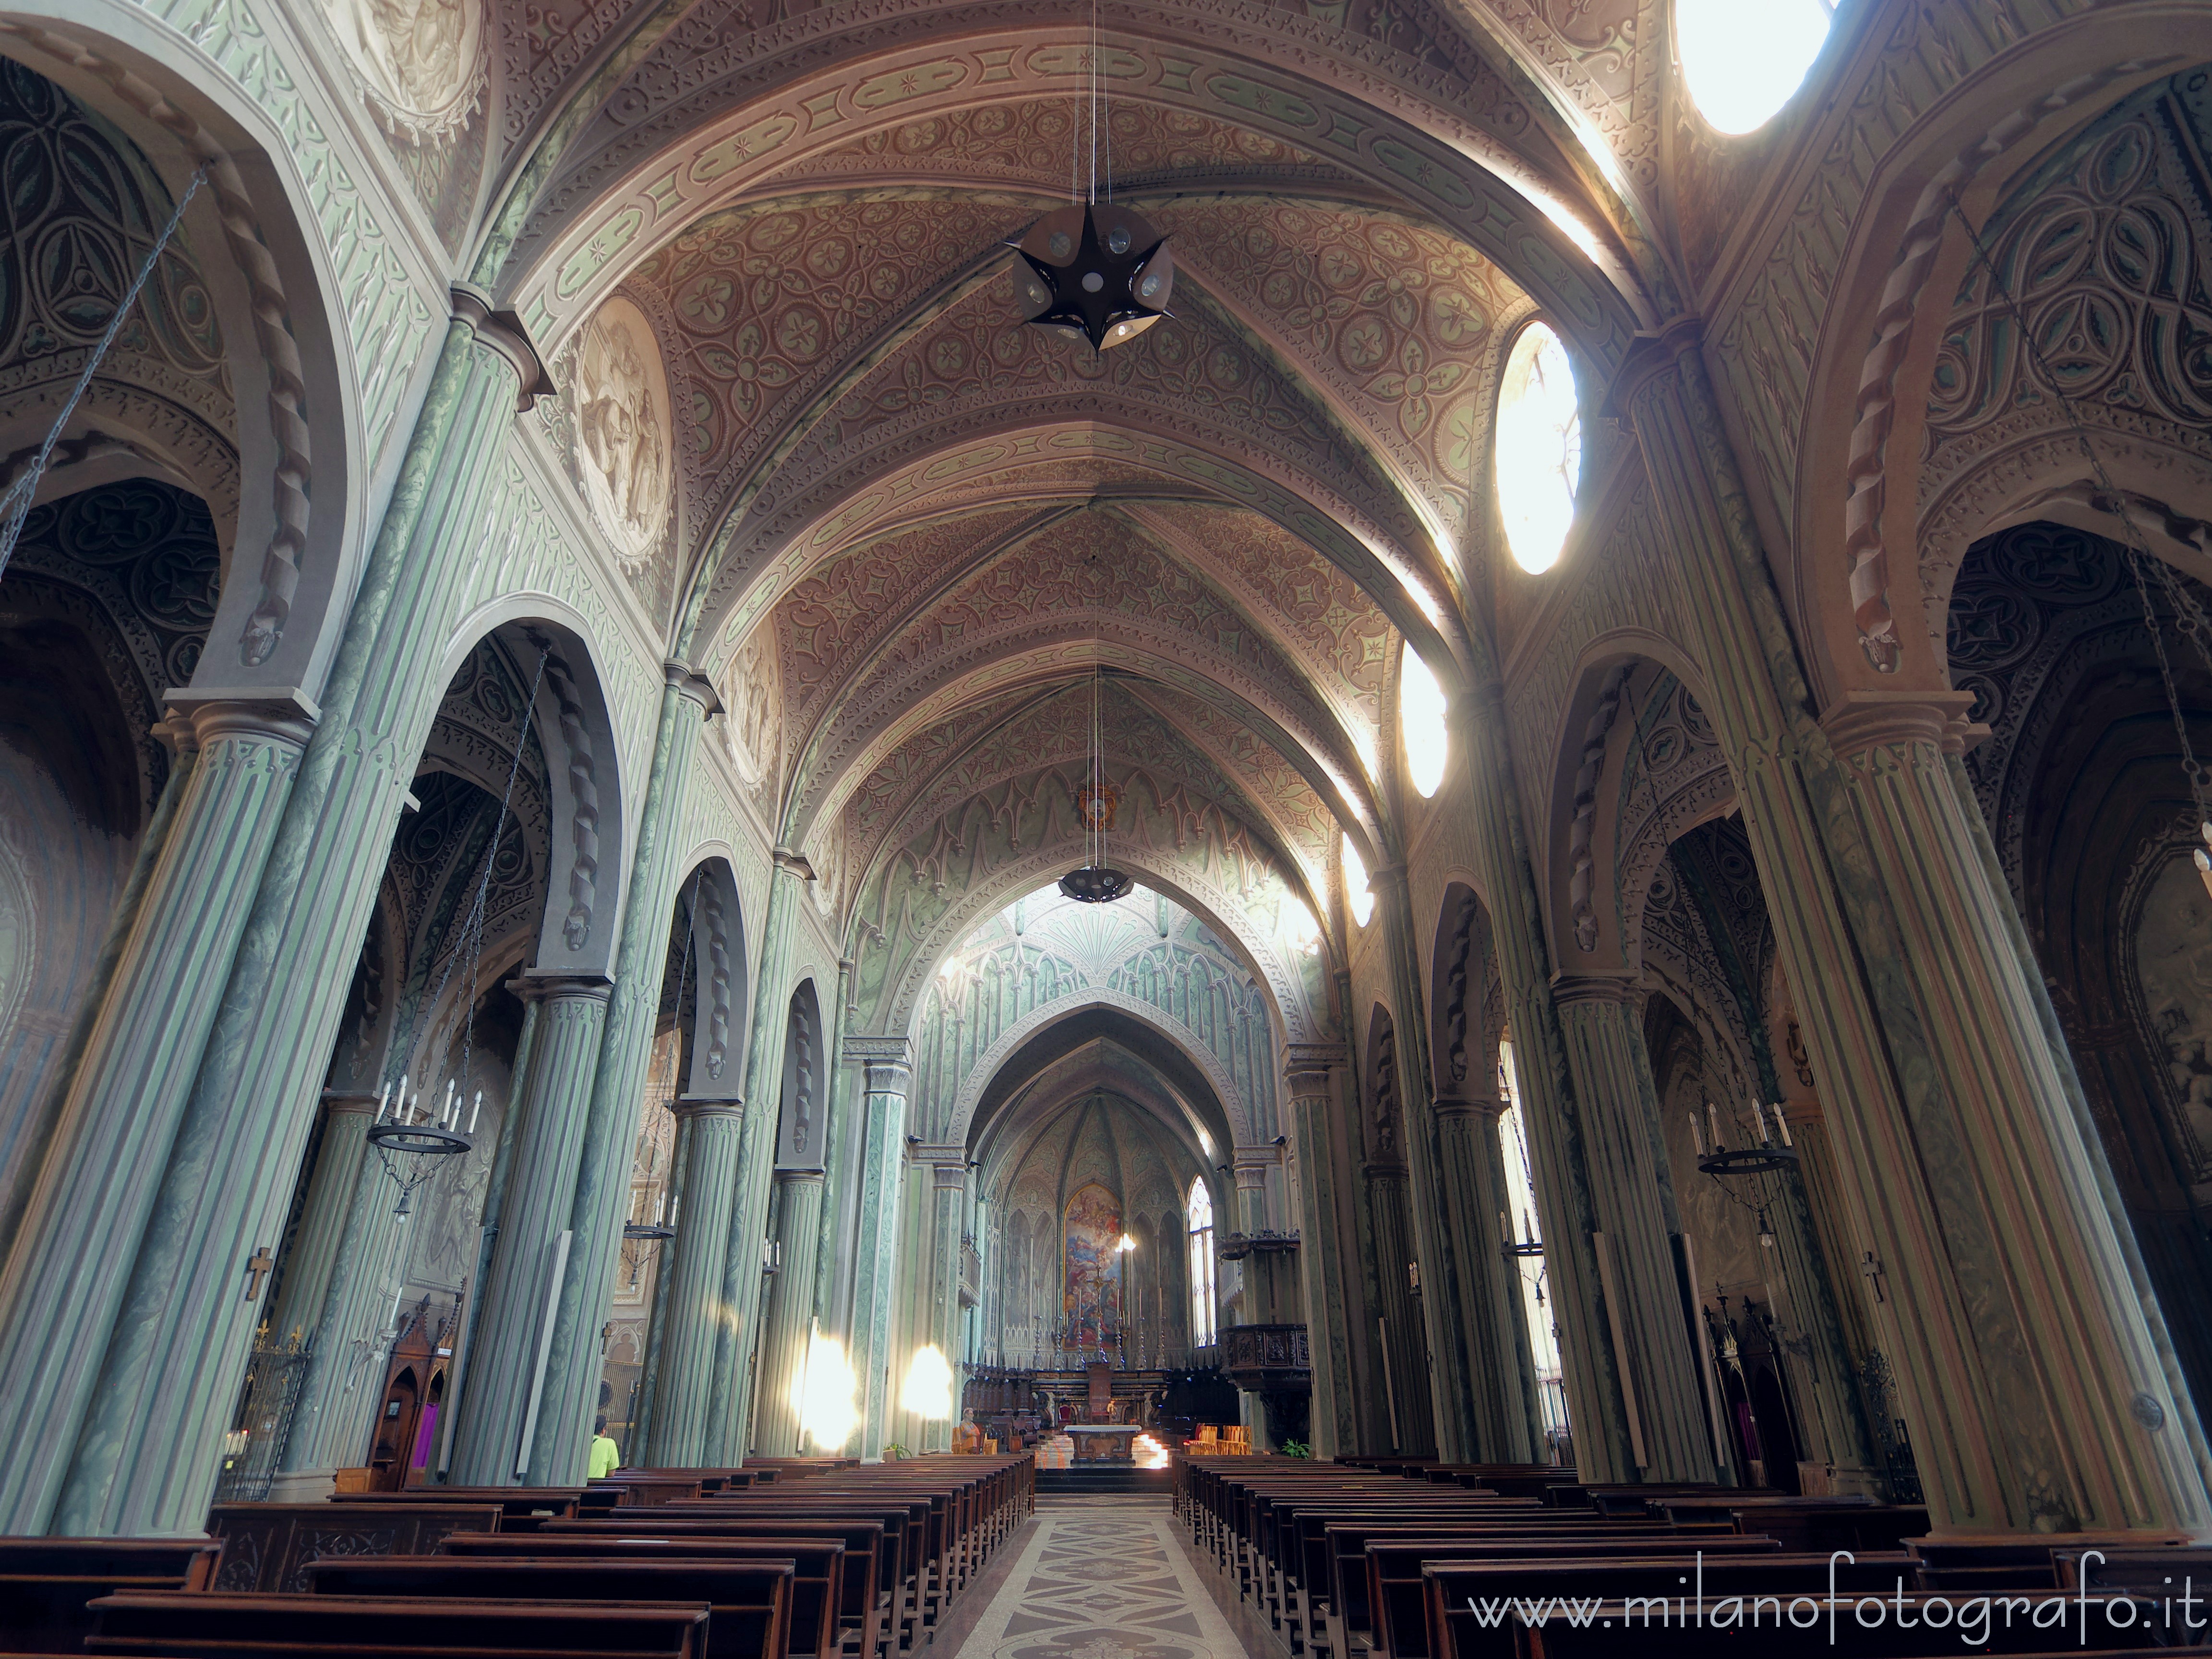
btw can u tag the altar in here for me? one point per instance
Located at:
(1101, 1442)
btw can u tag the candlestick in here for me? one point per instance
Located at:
(446, 1112)
(383, 1099)
(476, 1111)
(1697, 1132)
(1758, 1117)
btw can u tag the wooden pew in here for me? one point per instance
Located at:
(521, 1507)
(210, 1626)
(266, 1547)
(751, 1600)
(45, 1582)
(642, 1489)
(818, 1569)
(867, 1601)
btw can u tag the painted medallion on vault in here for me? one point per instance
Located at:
(621, 433)
(422, 61)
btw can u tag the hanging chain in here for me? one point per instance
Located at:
(2192, 623)
(15, 504)
(472, 928)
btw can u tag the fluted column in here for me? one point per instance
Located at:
(331, 1430)
(790, 1312)
(575, 1363)
(887, 1068)
(940, 1322)
(1551, 1105)
(323, 1214)
(1309, 1078)
(709, 1134)
(2027, 1351)
(1471, 1177)
(1632, 1206)
(1400, 1330)
(550, 1109)
(211, 1172)
(65, 1293)
(730, 1407)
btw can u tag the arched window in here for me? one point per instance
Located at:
(1538, 447)
(1200, 1212)
(1742, 59)
(1355, 885)
(1421, 724)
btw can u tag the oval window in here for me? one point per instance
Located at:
(1355, 885)
(1539, 448)
(1421, 724)
(1742, 59)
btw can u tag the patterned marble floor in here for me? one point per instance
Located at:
(1101, 1580)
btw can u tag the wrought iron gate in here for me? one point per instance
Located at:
(255, 1445)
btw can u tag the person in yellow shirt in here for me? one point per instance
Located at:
(606, 1456)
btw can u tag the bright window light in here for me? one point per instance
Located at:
(1305, 931)
(829, 1395)
(1355, 885)
(1742, 59)
(1421, 721)
(1539, 448)
(928, 1390)
(1200, 1212)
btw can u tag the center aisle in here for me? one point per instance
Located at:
(1101, 1579)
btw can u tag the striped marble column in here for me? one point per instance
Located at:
(535, 1242)
(887, 1066)
(324, 1213)
(1470, 1179)
(708, 1135)
(2028, 1353)
(210, 1183)
(1400, 1332)
(68, 1286)
(1309, 1075)
(730, 1404)
(1632, 1204)
(575, 1363)
(790, 1324)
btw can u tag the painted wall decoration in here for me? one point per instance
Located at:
(620, 388)
(1091, 1270)
(422, 61)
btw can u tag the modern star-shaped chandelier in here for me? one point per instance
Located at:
(1094, 270)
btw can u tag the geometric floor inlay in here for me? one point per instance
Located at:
(1105, 1585)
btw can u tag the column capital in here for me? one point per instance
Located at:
(792, 864)
(693, 686)
(270, 714)
(1306, 1065)
(338, 1101)
(1649, 356)
(1618, 985)
(799, 1177)
(696, 1107)
(887, 1061)
(1455, 1105)
(550, 984)
(952, 1177)
(504, 333)
(1874, 718)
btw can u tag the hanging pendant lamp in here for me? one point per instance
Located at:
(1096, 804)
(1094, 271)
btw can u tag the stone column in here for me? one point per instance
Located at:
(2028, 1350)
(888, 1069)
(346, 1115)
(1309, 1081)
(575, 1363)
(730, 1407)
(550, 1109)
(1401, 1332)
(1633, 1206)
(1471, 1178)
(203, 1072)
(66, 1292)
(948, 1206)
(1592, 1374)
(776, 1424)
(710, 1133)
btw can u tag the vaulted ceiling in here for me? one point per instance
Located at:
(907, 528)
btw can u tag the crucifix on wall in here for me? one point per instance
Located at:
(258, 1265)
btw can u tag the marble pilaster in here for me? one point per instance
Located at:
(551, 1107)
(710, 1135)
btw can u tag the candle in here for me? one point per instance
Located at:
(446, 1111)
(1713, 1122)
(1782, 1124)
(1758, 1117)
(673, 1208)
(1505, 1226)
(476, 1111)
(1697, 1132)
(383, 1100)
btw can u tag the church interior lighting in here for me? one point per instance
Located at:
(1743, 59)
